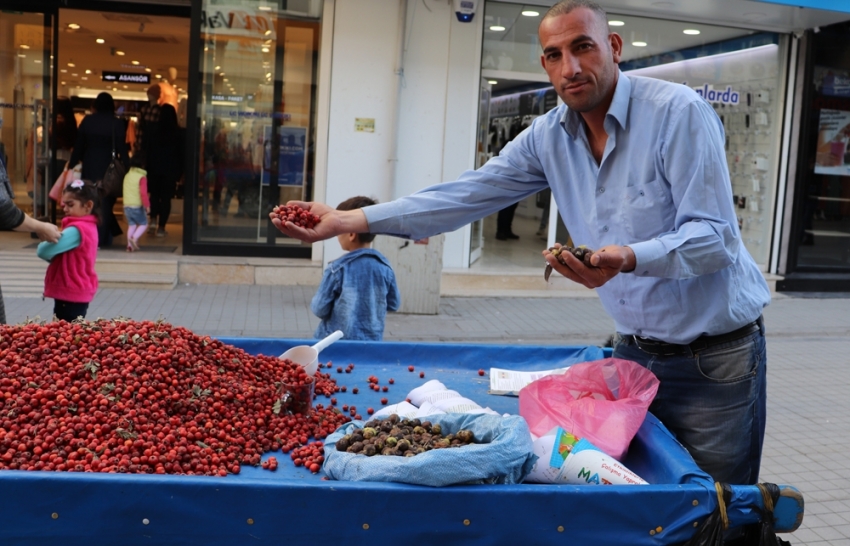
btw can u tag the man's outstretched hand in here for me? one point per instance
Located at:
(607, 262)
(331, 222)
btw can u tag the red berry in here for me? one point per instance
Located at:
(384, 401)
(480, 372)
(385, 388)
(355, 390)
(421, 374)
(410, 368)
(370, 411)
(391, 381)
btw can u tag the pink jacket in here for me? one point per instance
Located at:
(71, 275)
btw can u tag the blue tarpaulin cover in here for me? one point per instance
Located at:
(293, 506)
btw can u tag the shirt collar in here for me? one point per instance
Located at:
(619, 109)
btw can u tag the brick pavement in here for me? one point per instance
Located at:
(808, 430)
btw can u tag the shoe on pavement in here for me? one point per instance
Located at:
(501, 237)
(512, 236)
(161, 232)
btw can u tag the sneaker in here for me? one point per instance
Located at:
(134, 243)
(161, 232)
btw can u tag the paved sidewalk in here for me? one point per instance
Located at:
(808, 430)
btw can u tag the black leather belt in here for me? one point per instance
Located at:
(660, 348)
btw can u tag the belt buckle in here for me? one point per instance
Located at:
(655, 352)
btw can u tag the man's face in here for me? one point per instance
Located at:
(580, 56)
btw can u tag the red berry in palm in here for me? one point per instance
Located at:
(297, 215)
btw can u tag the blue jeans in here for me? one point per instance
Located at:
(714, 401)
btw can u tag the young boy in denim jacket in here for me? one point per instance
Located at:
(357, 289)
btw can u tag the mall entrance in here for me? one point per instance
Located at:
(54, 62)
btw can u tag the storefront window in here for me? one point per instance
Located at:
(25, 129)
(737, 70)
(257, 113)
(822, 227)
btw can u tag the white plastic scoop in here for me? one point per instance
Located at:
(308, 356)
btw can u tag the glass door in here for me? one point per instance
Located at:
(257, 112)
(25, 95)
(476, 232)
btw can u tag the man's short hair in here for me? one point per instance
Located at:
(359, 202)
(154, 90)
(566, 6)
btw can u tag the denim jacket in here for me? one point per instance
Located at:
(356, 292)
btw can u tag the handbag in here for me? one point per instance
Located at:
(112, 184)
(65, 177)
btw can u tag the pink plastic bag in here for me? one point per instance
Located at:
(604, 401)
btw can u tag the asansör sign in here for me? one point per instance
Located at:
(125, 77)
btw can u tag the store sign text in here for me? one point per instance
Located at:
(237, 22)
(709, 93)
(125, 77)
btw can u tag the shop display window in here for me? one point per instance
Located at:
(257, 114)
(820, 238)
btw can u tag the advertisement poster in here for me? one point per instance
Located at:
(291, 156)
(833, 156)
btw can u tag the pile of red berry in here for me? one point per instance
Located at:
(145, 397)
(299, 216)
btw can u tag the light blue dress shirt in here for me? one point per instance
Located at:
(662, 188)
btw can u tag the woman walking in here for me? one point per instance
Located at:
(165, 166)
(99, 134)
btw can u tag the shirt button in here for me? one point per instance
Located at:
(640, 332)
(604, 228)
(641, 192)
(622, 302)
(601, 190)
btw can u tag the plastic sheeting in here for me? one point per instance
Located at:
(293, 506)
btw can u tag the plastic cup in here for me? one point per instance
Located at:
(298, 397)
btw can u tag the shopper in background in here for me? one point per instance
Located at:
(164, 165)
(71, 279)
(504, 223)
(137, 204)
(357, 289)
(148, 117)
(638, 170)
(13, 218)
(99, 134)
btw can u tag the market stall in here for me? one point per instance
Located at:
(293, 505)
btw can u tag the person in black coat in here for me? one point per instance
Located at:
(97, 136)
(165, 165)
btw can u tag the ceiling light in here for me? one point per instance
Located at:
(639, 44)
(530, 13)
(134, 62)
(497, 28)
(37, 61)
(100, 40)
(125, 87)
(268, 74)
(221, 73)
(24, 46)
(269, 31)
(120, 53)
(225, 79)
(264, 8)
(690, 31)
(115, 89)
(84, 78)
(264, 49)
(74, 74)
(21, 55)
(88, 71)
(147, 69)
(63, 83)
(72, 65)
(492, 82)
(73, 26)
(158, 76)
(616, 23)
(218, 67)
(63, 70)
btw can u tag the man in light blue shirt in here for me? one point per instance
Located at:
(638, 170)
